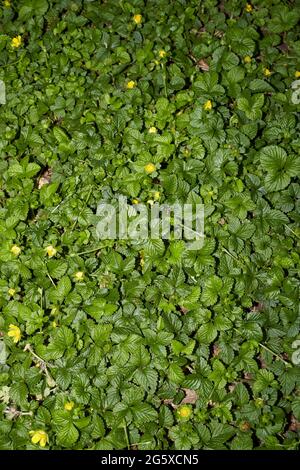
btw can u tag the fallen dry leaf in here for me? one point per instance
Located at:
(216, 350)
(257, 307)
(248, 376)
(245, 426)
(218, 34)
(184, 310)
(190, 396)
(294, 424)
(203, 65)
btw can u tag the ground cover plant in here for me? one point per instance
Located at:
(115, 344)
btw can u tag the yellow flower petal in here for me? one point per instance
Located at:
(14, 332)
(39, 436)
(11, 292)
(207, 105)
(130, 85)
(16, 41)
(51, 251)
(79, 276)
(149, 168)
(69, 406)
(297, 74)
(15, 250)
(35, 438)
(43, 441)
(184, 411)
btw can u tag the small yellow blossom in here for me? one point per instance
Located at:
(149, 168)
(7, 3)
(152, 130)
(207, 105)
(156, 195)
(184, 411)
(247, 59)
(11, 292)
(16, 41)
(131, 84)
(69, 405)
(137, 19)
(297, 74)
(79, 276)
(54, 324)
(135, 201)
(39, 437)
(15, 250)
(162, 53)
(248, 8)
(51, 251)
(267, 72)
(14, 332)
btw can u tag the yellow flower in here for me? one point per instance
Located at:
(137, 19)
(162, 53)
(79, 276)
(156, 195)
(39, 437)
(11, 292)
(184, 411)
(16, 41)
(247, 59)
(149, 168)
(135, 201)
(51, 251)
(207, 105)
(297, 74)
(54, 324)
(6, 3)
(131, 84)
(152, 130)
(248, 8)
(69, 405)
(14, 332)
(267, 72)
(15, 250)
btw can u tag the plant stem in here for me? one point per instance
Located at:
(126, 435)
